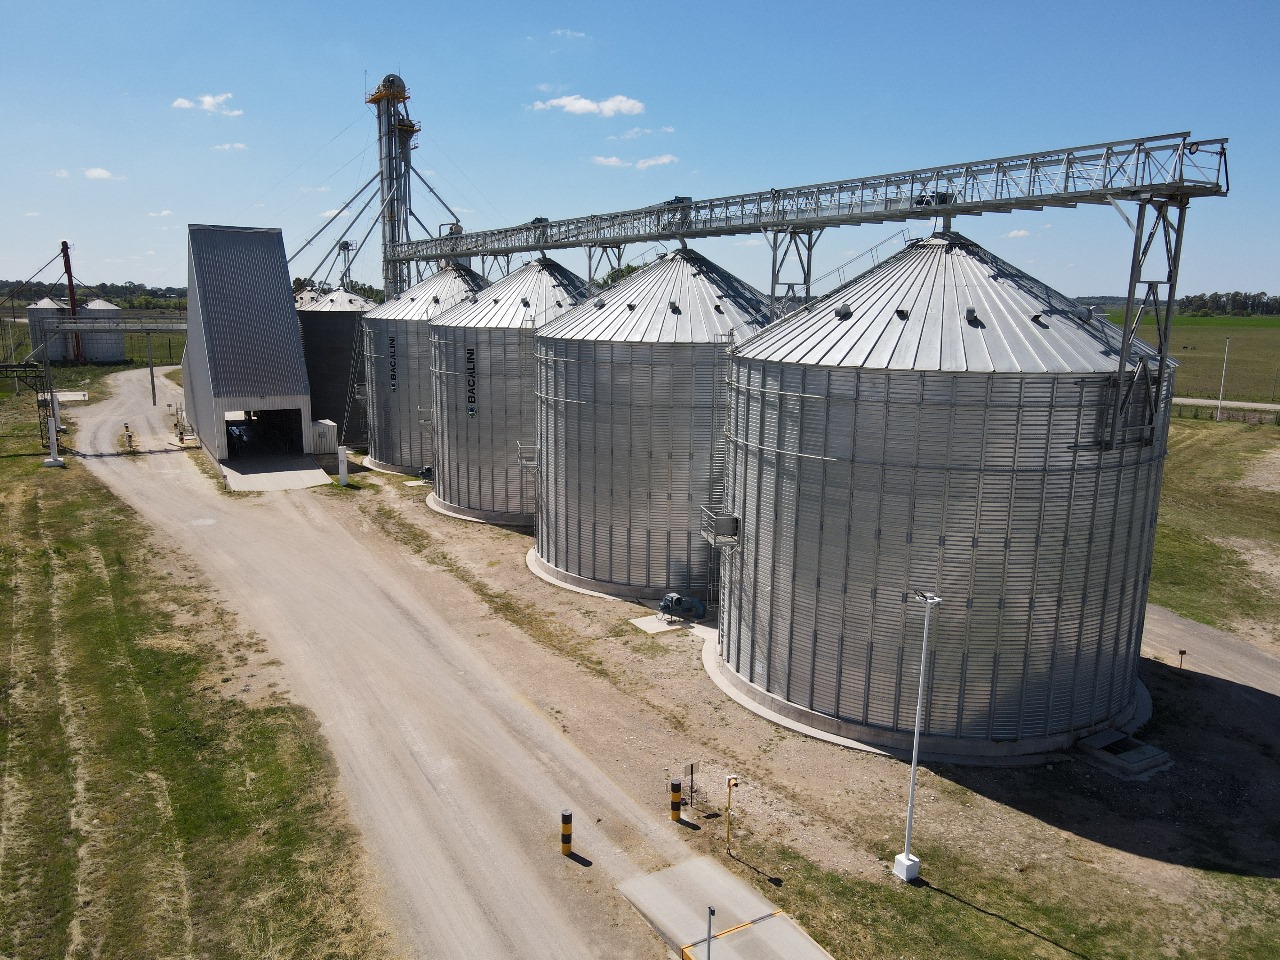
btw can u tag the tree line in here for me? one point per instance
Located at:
(127, 296)
(368, 291)
(1234, 304)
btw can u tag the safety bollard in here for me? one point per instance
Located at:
(566, 832)
(675, 799)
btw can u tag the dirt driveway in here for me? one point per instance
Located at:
(455, 688)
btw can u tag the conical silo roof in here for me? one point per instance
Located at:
(339, 301)
(48, 303)
(912, 312)
(305, 297)
(541, 290)
(100, 304)
(680, 298)
(441, 291)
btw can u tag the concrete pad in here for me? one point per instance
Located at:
(273, 473)
(71, 396)
(655, 624)
(415, 483)
(746, 926)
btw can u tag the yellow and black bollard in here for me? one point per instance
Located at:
(566, 832)
(675, 799)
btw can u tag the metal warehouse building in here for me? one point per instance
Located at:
(938, 424)
(244, 356)
(630, 418)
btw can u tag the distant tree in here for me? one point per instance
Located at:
(618, 273)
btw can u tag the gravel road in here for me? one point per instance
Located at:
(455, 781)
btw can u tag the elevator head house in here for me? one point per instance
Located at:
(243, 371)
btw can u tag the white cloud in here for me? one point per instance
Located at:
(659, 161)
(568, 34)
(161, 213)
(97, 173)
(579, 104)
(549, 87)
(632, 134)
(750, 242)
(1017, 234)
(609, 162)
(208, 102)
(61, 173)
(31, 214)
(668, 129)
(315, 189)
(330, 214)
(230, 146)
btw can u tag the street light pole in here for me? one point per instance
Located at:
(1222, 387)
(905, 866)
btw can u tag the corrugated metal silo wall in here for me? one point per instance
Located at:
(102, 347)
(855, 488)
(624, 453)
(328, 345)
(397, 378)
(37, 319)
(483, 400)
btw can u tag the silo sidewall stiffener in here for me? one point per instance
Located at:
(625, 435)
(398, 385)
(484, 406)
(855, 488)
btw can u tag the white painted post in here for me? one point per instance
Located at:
(342, 466)
(54, 460)
(905, 866)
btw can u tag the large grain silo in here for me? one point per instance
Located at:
(397, 358)
(939, 424)
(330, 327)
(483, 391)
(630, 407)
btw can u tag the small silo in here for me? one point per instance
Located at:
(330, 327)
(483, 391)
(630, 419)
(99, 341)
(42, 317)
(397, 362)
(939, 424)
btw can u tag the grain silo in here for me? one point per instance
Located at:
(630, 412)
(330, 328)
(397, 359)
(939, 424)
(483, 391)
(99, 339)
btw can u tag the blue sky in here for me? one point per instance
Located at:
(129, 120)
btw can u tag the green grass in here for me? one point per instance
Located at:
(1253, 366)
(1193, 573)
(146, 812)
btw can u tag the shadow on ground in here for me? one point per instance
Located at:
(1217, 808)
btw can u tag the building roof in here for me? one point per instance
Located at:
(100, 304)
(911, 312)
(537, 294)
(680, 298)
(48, 303)
(241, 313)
(339, 301)
(444, 289)
(305, 296)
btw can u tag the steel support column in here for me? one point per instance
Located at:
(1157, 247)
(786, 245)
(600, 257)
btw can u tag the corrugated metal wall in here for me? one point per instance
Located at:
(624, 452)
(397, 377)
(855, 488)
(328, 344)
(484, 405)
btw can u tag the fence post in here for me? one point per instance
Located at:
(566, 832)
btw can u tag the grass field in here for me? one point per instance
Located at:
(1253, 366)
(148, 807)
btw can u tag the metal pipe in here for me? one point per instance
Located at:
(1222, 387)
(905, 866)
